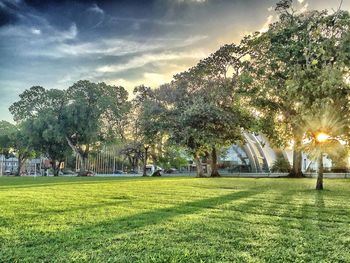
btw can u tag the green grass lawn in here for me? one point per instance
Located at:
(173, 220)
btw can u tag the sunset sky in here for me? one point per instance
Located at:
(55, 43)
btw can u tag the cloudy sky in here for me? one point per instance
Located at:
(123, 42)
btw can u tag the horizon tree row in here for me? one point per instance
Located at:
(290, 83)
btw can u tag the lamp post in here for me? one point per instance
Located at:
(320, 138)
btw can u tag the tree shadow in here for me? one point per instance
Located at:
(35, 182)
(307, 231)
(83, 237)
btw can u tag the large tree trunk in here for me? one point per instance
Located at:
(82, 158)
(59, 167)
(145, 161)
(199, 168)
(55, 167)
(153, 155)
(131, 162)
(319, 183)
(21, 161)
(83, 161)
(19, 168)
(297, 159)
(214, 163)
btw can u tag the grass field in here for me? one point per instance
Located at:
(173, 220)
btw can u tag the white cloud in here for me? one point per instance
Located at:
(265, 26)
(156, 79)
(145, 59)
(192, 1)
(304, 8)
(121, 82)
(56, 46)
(193, 39)
(49, 34)
(108, 47)
(301, 1)
(35, 31)
(71, 33)
(163, 22)
(95, 8)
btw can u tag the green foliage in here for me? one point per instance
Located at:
(6, 131)
(299, 65)
(81, 118)
(133, 152)
(340, 163)
(14, 141)
(173, 220)
(280, 165)
(39, 111)
(45, 138)
(95, 111)
(204, 111)
(148, 111)
(31, 102)
(267, 84)
(295, 67)
(326, 120)
(207, 112)
(172, 157)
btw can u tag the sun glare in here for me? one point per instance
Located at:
(321, 137)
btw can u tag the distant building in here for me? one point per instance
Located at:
(9, 166)
(257, 155)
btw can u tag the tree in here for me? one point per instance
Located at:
(94, 113)
(290, 71)
(178, 122)
(32, 101)
(44, 136)
(39, 112)
(13, 140)
(6, 129)
(134, 152)
(280, 165)
(173, 156)
(213, 112)
(83, 116)
(324, 132)
(21, 148)
(147, 110)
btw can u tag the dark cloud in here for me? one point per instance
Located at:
(54, 43)
(8, 13)
(7, 17)
(44, 5)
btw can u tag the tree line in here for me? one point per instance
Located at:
(289, 83)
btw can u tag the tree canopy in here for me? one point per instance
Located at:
(298, 65)
(275, 83)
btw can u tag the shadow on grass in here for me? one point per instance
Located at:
(92, 235)
(307, 231)
(16, 182)
(10, 183)
(159, 215)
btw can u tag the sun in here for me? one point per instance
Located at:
(322, 137)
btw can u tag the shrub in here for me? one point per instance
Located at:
(281, 165)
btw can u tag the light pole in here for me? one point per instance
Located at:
(320, 138)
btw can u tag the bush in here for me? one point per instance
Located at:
(281, 165)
